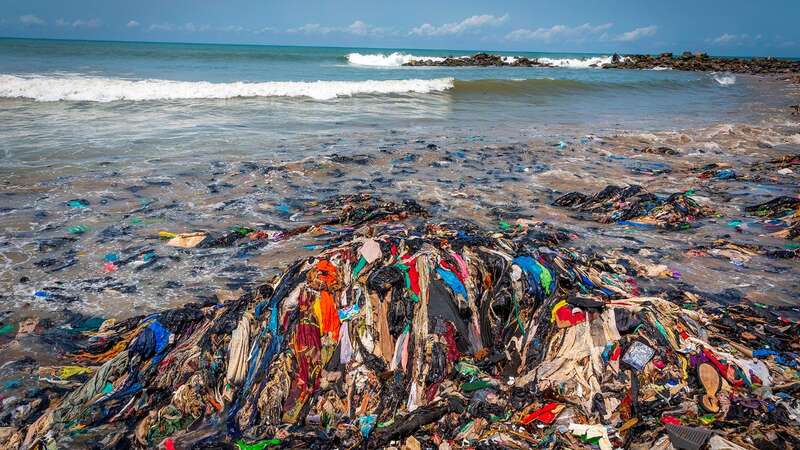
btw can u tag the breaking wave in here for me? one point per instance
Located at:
(395, 59)
(724, 79)
(97, 89)
(577, 63)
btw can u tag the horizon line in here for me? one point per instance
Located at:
(123, 41)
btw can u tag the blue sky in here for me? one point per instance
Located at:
(731, 27)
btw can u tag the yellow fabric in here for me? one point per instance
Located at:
(555, 308)
(67, 372)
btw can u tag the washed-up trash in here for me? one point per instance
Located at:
(712, 382)
(187, 240)
(648, 167)
(784, 209)
(446, 333)
(725, 174)
(78, 203)
(77, 229)
(638, 355)
(687, 438)
(633, 205)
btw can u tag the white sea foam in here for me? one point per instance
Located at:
(577, 63)
(97, 89)
(724, 79)
(395, 59)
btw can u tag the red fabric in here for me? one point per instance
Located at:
(330, 316)
(169, 444)
(453, 269)
(670, 420)
(727, 372)
(565, 314)
(616, 353)
(450, 337)
(413, 276)
(543, 414)
(431, 390)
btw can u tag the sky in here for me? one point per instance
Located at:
(731, 27)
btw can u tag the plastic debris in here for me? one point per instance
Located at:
(633, 205)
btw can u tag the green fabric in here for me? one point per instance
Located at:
(7, 328)
(357, 269)
(259, 445)
(466, 369)
(243, 231)
(475, 386)
(545, 277)
(78, 229)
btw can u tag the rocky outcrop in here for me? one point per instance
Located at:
(685, 61)
(477, 60)
(701, 62)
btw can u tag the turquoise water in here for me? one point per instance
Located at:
(77, 102)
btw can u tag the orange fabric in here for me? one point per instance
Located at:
(327, 271)
(330, 315)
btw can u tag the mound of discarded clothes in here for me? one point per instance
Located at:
(783, 214)
(633, 205)
(782, 165)
(740, 254)
(433, 335)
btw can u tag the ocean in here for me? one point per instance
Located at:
(68, 102)
(103, 145)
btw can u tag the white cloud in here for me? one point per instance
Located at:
(559, 32)
(472, 22)
(311, 28)
(190, 27)
(735, 39)
(30, 20)
(231, 29)
(724, 38)
(161, 27)
(133, 24)
(358, 28)
(79, 23)
(265, 30)
(633, 35)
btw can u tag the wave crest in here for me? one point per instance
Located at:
(97, 89)
(395, 59)
(724, 79)
(577, 63)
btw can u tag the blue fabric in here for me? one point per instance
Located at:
(788, 359)
(725, 174)
(161, 335)
(534, 269)
(452, 280)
